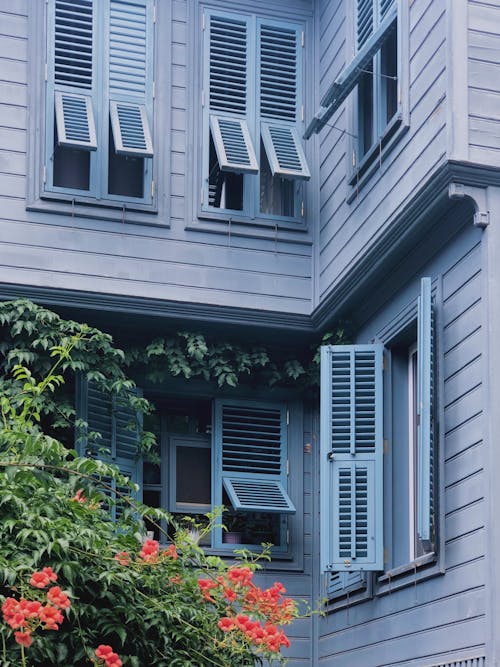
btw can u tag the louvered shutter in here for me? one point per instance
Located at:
(226, 87)
(280, 72)
(425, 429)
(340, 584)
(375, 20)
(71, 90)
(119, 428)
(250, 456)
(130, 75)
(351, 458)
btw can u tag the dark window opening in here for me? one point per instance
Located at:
(125, 172)
(71, 166)
(389, 64)
(365, 107)
(225, 188)
(276, 193)
(252, 528)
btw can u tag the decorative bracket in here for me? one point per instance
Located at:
(478, 196)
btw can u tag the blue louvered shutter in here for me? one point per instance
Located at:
(250, 456)
(341, 584)
(375, 20)
(425, 412)
(71, 80)
(351, 457)
(226, 91)
(118, 428)
(131, 76)
(279, 98)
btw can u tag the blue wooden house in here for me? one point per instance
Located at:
(265, 168)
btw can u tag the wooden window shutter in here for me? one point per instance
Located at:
(340, 584)
(71, 86)
(130, 75)
(280, 89)
(250, 462)
(119, 429)
(425, 430)
(227, 89)
(351, 458)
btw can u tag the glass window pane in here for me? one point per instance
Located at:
(192, 475)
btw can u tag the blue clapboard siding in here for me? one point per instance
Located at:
(167, 262)
(484, 84)
(438, 621)
(348, 229)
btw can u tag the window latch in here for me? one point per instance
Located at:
(330, 456)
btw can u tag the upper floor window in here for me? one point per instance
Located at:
(99, 100)
(253, 161)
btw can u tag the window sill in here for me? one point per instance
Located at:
(142, 214)
(421, 568)
(376, 156)
(238, 225)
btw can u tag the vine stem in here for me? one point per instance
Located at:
(23, 657)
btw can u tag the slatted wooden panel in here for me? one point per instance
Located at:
(73, 43)
(228, 65)
(364, 21)
(128, 58)
(279, 65)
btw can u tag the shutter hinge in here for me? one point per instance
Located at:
(152, 189)
(302, 39)
(384, 363)
(354, 158)
(46, 71)
(203, 98)
(201, 196)
(44, 174)
(302, 208)
(288, 536)
(302, 112)
(288, 466)
(287, 417)
(386, 446)
(154, 89)
(154, 13)
(203, 21)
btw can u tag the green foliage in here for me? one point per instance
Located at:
(151, 613)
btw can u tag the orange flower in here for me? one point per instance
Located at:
(57, 597)
(24, 638)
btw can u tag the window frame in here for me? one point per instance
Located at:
(249, 222)
(289, 556)
(111, 207)
(361, 169)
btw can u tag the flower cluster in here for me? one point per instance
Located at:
(149, 553)
(106, 656)
(26, 615)
(267, 606)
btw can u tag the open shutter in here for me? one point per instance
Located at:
(351, 457)
(425, 430)
(130, 78)
(369, 39)
(226, 86)
(280, 71)
(119, 427)
(71, 74)
(340, 584)
(250, 456)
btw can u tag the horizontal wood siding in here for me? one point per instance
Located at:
(484, 81)
(348, 229)
(440, 620)
(162, 262)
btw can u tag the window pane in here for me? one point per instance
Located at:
(153, 499)
(225, 188)
(365, 110)
(192, 475)
(125, 173)
(389, 58)
(71, 166)
(276, 193)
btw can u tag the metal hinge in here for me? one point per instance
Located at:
(302, 39)
(203, 21)
(154, 13)
(201, 196)
(384, 363)
(302, 208)
(354, 158)
(302, 112)
(46, 71)
(287, 417)
(386, 446)
(288, 536)
(152, 189)
(288, 466)
(44, 174)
